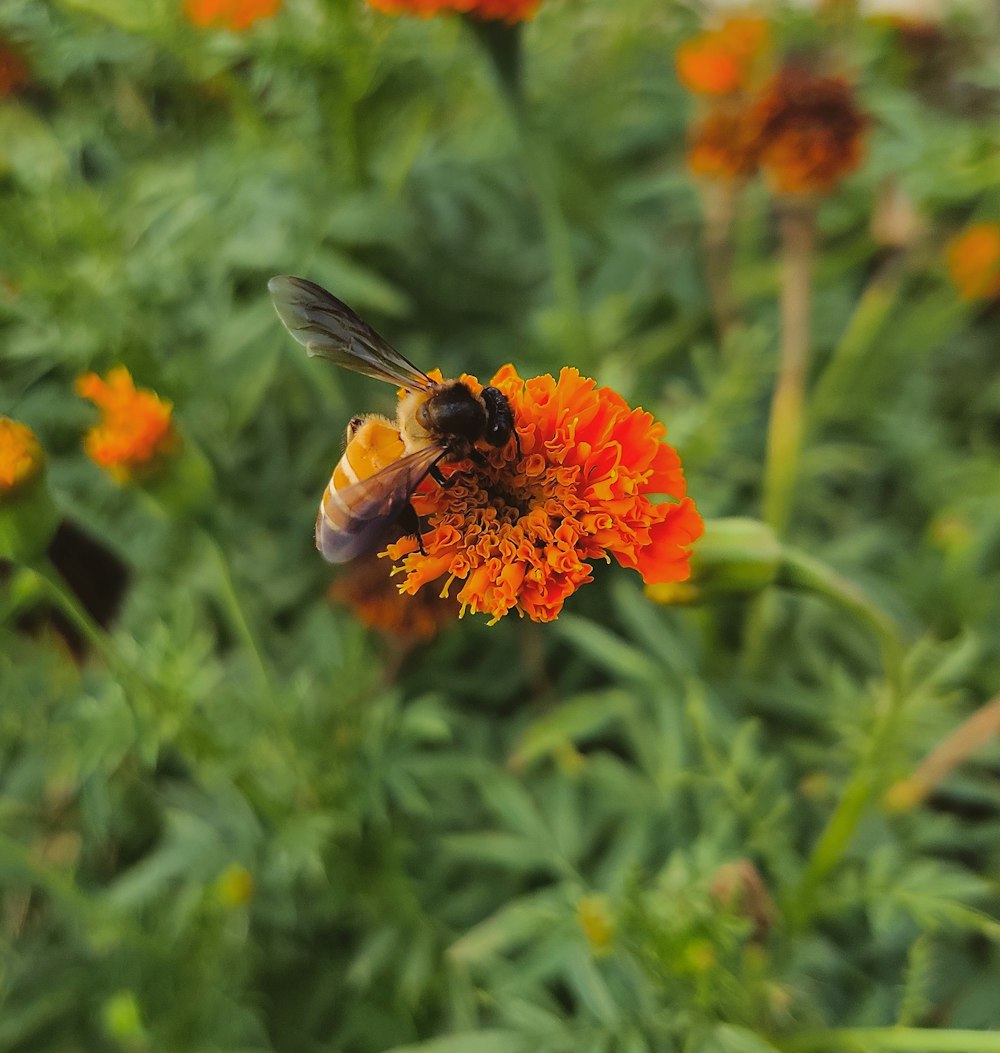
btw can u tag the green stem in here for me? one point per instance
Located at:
(910, 1039)
(784, 436)
(94, 634)
(718, 203)
(503, 46)
(234, 607)
(803, 572)
(866, 323)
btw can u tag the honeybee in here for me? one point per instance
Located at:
(385, 461)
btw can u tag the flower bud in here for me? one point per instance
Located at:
(28, 518)
(734, 555)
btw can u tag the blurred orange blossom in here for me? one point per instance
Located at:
(721, 61)
(973, 258)
(810, 131)
(135, 430)
(20, 455)
(509, 11)
(237, 15)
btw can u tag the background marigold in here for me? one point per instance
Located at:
(135, 429)
(721, 61)
(973, 258)
(723, 145)
(13, 69)
(366, 588)
(519, 532)
(810, 131)
(237, 15)
(489, 10)
(20, 454)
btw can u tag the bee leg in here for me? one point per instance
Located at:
(517, 443)
(477, 458)
(409, 523)
(445, 482)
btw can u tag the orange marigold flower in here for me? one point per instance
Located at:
(974, 261)
(14, 70)
(135, 430)
(509, 11)
(20, 455)
(723, 145)
(366, 588)
(810, 131)
(722, 61)
(518, 532)
(237, 15)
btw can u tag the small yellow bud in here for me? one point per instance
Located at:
(235, 886)
(595, 919)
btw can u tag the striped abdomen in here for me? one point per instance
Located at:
(373, 443)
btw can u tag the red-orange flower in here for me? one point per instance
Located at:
(14, 70)
(509, 11)
(974, 261)
(722, 61)
(810, 131)
(135, 430)
(20, 455)
(724, 145)
(519, 532)
(365, 587)
(237, 15)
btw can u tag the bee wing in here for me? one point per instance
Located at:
(328, 328)
(358, 518)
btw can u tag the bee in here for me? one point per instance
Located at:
(384, 461)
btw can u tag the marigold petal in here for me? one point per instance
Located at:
(519, 532)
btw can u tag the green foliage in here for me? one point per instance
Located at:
(233, 820)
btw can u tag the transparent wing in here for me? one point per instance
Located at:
(328, 328)
(360, 517)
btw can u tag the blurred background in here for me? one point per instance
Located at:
(249, 802)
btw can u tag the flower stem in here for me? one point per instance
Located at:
(92, 632)
(866, 323)
(968, 737)
(802, 571)
(718, 202)
(910, 1039)
(784, 436)
(234, 608)
(503, 46)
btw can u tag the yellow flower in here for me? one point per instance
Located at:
(21, 456)
(28, 518)
(974, 261)
(135, 431)
(594, 916)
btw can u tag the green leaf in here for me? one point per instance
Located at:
(571, 720)
(495, 1041)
